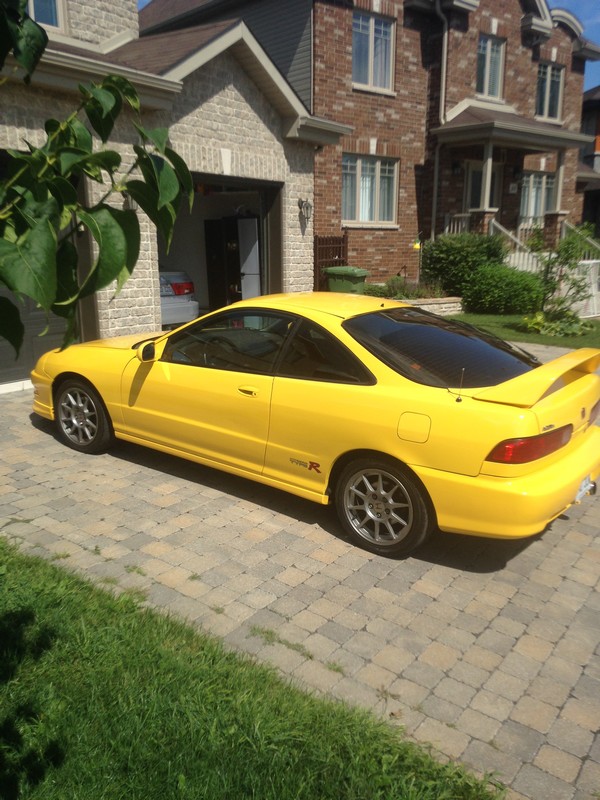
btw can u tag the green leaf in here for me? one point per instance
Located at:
(28, 266)
(73, 161)
(83, 138)
(11, 327)
(183, 174)
(67, 290)
(102, 107)
(125, 89)
(28, 41)
(117, 235)
(159, 137)
(147, 198)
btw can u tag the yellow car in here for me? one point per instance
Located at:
(404, 420)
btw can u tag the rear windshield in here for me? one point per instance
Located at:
(437, 351)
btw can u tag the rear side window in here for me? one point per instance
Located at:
(436, 351)
(313, 354)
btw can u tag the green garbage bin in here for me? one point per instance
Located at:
(346, 279)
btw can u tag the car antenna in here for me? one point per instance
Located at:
(462, 377)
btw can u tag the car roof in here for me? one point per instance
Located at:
(338, 304)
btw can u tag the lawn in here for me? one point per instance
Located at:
(508, 327)
(104, 700)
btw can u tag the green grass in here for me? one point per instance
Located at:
(103, 700)
(507, 327)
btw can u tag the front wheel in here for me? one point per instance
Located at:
(382, 507)
(81, 419)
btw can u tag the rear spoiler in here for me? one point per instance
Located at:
(526, 390)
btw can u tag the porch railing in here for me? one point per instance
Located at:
(589, 268)
(528, 226)
(457, 223)
(519, 255)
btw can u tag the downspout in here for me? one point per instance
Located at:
(442, 113)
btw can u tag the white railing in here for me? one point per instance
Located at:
(457, 223)
(519, 255)
(589, 268)
(528, 226)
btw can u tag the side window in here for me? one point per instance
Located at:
(313, 354)
(237, 341)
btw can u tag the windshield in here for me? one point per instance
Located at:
(436, 351)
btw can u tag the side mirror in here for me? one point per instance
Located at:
(146, 352)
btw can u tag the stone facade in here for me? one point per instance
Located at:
(223, 126)
(99, 21)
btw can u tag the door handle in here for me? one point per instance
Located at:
(249, 391)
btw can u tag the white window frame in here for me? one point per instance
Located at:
(537, 184)
(549, 69)
(362, 163)
(371, 22)
(486, 90)
(59, 12)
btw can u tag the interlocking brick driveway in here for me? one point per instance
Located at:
(487, 649)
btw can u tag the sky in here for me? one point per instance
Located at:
(586, 11)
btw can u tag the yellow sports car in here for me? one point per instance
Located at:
(403, 419)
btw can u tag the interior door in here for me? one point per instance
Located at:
(249, 257)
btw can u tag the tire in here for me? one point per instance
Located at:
(382, 508)
(80, 417)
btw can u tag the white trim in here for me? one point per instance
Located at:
(61, 16)
(15, 386)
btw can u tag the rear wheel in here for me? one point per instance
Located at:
(382, 507)
(81, 419)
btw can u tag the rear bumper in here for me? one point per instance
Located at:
(508, 508)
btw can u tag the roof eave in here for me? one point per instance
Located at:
(507, 133)
(319, 132)
(65, 71)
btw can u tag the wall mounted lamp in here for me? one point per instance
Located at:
(306, 208)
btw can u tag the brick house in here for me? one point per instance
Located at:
(245, 135)
(462, 111)
(589, 174)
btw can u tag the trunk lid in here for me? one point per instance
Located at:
(565, 391)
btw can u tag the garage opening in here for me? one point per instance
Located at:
(228, 248)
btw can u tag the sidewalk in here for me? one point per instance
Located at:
(487, 649)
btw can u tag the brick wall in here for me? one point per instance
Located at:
(385, 125)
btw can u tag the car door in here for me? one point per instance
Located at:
(209, 392)
(322, 399)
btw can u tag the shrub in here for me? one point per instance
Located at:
(496, 289)
(568, 325)
(451, 260)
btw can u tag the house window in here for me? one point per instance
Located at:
(45, 12)
(537, 197)
(372, 51)
(490, 66)
(549, 91)
(369, 189)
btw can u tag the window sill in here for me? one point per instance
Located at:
(549, 120)
(384, 226)
(365, 89)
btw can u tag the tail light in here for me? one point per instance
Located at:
(530, 448)
(185, 287)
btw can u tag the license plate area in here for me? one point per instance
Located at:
(585, 488)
